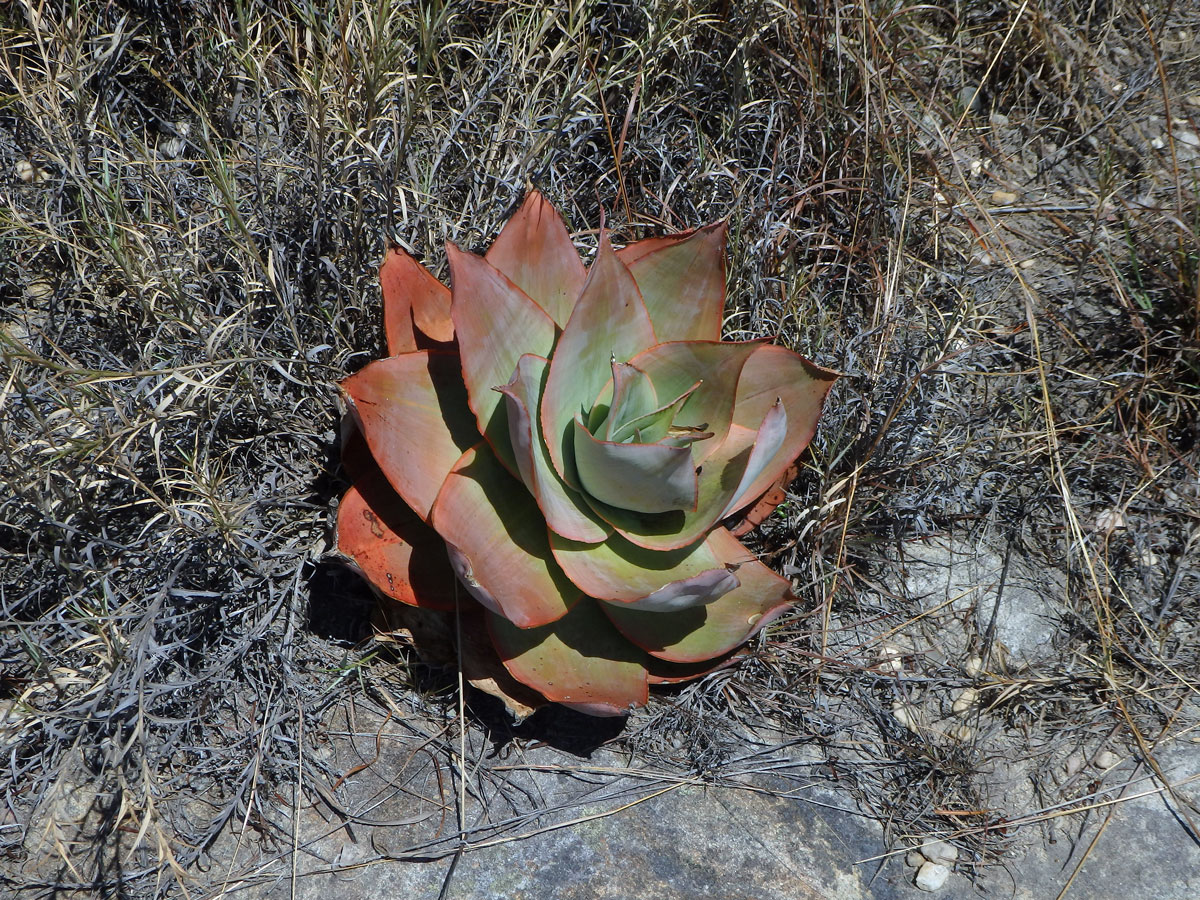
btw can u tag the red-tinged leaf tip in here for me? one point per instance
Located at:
(535, 251)
(411, 295)
(755, 515)
(682, 280)
(775, 376)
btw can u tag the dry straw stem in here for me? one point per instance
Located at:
(985, 216)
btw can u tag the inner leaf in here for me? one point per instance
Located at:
(632, 396)
(657, 424)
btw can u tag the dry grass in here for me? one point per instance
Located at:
(986, 216)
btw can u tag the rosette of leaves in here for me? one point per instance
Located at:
(568, 448)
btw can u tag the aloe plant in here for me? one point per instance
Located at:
(580, 441)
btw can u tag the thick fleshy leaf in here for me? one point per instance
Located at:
(676, 367)
(411, 294)
(682, 280)
(628, 574)
(778, 375)
(703, 632)
(609, 322)
(498, 542)
(767, 444)
(496, 323)
(581, 661)
(565, 510)
(536, 253)
(412, 410)
(383, 538)
(646, 478)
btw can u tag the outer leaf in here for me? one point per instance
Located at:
(646, 478)
(777, 374)
(411, 294)
(498, 543)
(496, 324)
(682, 280)
(536, 253)
(704, 632)
(676, 367)
(609, 321)
(412, 411)
(581, 661)
(399, 554)
(565, 510)
(625, 573)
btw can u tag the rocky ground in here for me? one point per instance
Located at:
(984, 215)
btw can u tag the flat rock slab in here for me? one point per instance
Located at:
(541, 822)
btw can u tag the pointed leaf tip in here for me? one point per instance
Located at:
(412, 297)
(682, 280)
(535, 251)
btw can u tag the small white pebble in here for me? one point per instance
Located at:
(1147, 558)
(1026, 264)
(914, 858)
(999, 120)
(1110, 520)
(965, 701)
(942, 852)
(976, 166)
(961, 733)
(973, 666)
(931, 876)
(39, 290)
(1003, 198)
(1073, 763)
(27, 171)
(1157, 143)
(905, 713)
(1105, 759)
(891, 658)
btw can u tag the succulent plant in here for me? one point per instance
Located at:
(579, 441)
